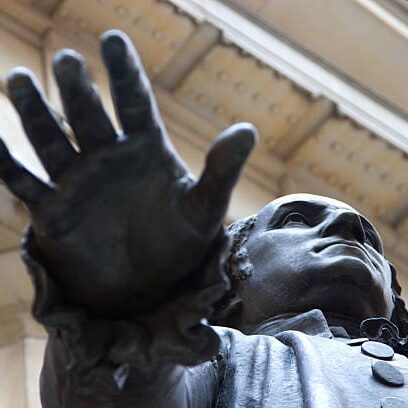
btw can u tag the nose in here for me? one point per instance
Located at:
(345, 224)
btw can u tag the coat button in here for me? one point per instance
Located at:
(377, 350)
(392, 402)
(387, 374)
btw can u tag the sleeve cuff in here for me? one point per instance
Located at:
(177, 333)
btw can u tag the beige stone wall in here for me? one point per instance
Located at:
(33, 353)
(12, 375)
(20, 365)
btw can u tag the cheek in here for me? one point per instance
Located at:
(280, 256)
(279, 248)
(279, 264)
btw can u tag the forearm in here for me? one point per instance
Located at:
(169, 386)
(95, 361)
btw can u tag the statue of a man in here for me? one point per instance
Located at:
(130, 260)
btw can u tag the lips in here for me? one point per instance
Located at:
(348, 249)
(350, 244)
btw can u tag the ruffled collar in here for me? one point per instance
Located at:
(312, 322)
(315, 323)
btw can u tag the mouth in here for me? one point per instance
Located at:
(344, 243)
(351, 255)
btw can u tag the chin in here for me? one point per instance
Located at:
(347, 270)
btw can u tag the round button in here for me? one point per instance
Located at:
(387, 374)
(392, 402)
(377, 350)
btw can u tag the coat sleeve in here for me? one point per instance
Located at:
(176, 386)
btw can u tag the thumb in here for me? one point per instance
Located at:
(208, 199)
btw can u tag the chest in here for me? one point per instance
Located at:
(294, 370)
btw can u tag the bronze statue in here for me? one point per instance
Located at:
(130, 262)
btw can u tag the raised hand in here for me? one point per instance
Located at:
(122, 220)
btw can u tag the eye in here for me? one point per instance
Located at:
(295, 219)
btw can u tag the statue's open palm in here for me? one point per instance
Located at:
(122, 218)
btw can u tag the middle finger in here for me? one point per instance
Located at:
(82, 104)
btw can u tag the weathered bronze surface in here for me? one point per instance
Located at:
(387, 374)
(130, 260)
(377, 350)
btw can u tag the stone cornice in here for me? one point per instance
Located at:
(304, 68)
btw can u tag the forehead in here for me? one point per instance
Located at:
(299, 201)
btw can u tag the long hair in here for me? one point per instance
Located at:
(227, 312)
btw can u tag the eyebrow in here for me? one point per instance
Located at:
(314, 209)
(304, 207)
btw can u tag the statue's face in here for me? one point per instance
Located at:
(314, 252)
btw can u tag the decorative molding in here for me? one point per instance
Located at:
(263, 168)
(388, 12)
(304, 68)
(14, 26)
(319, 111)
(48, 7)
(188, 56)
(29, 16)
(401, 3)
